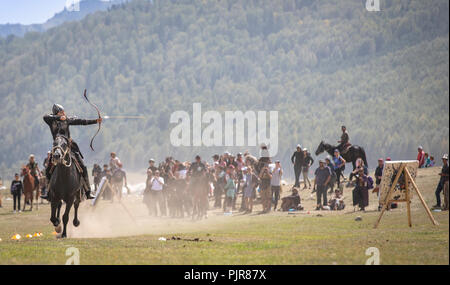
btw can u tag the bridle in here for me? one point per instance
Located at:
(64, 153)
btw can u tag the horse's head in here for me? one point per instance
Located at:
(320, 148)
(25, 170)
(60, 149)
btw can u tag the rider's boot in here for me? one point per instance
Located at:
(85, 176)
(48, 175)
(87, 185)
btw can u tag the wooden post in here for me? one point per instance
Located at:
(388, 195)
(408, 197)
(430, 215)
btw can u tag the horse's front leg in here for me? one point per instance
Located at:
(31, 200)
(76, 204)
(66, 217)
(38, 193)
(24, 201)
(55, 206)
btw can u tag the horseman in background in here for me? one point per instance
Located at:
(59, 125)
(34, 170)
(344, 143)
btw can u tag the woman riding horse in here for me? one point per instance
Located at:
(59, 125)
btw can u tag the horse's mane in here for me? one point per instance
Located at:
(327, 145)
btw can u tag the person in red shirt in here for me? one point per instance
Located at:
(421, 156)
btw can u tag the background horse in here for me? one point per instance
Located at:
(64, 184)
(353, 153)
(28, 187)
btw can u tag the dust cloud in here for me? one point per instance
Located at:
(130, 217)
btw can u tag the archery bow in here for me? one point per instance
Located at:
(99, 116)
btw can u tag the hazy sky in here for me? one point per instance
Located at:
(30, 11)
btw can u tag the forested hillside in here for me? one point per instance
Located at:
(319, 63)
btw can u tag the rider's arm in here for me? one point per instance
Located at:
(77, 122)
(51, 118)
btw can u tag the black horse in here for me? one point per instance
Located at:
(65, 184)
(353, 153)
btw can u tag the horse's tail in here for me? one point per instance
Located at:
(363, 156)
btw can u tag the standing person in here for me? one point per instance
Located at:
(106, 172)
(16, 191)
(339, 166)
(96, 173)
(361, 191)
(333, 175)
(157, 198)
(297, 159)
(266, 192)
(444, 177)
(113, 161)
(427, 160)
(251, 182)
(432, 162)
(47, 159)
(264, 160)
(323, 176)
(119, 179)
(420, 156)
(147, 199)
(219, 184)
(359, 165)
(107, 195)
(308, 161)
(151, 165)
(275, 183)
(230, 189)
(378, 176)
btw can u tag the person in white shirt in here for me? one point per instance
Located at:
(114, 161)
(275, 183)
(157, 195)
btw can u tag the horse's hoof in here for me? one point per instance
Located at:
(58, 229)
(76, 223)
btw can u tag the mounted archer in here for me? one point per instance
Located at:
(59, 126)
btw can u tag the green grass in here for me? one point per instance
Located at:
(276, 238)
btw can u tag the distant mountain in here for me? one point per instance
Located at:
(86, 7)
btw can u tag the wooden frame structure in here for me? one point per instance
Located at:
(388, 200)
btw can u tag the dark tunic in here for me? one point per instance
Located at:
(197, 169)
(298, 158)
(345, 138)
(16, 187)
(62, 127)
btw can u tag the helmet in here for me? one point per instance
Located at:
(57, 108)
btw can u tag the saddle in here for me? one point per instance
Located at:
(345, 148)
